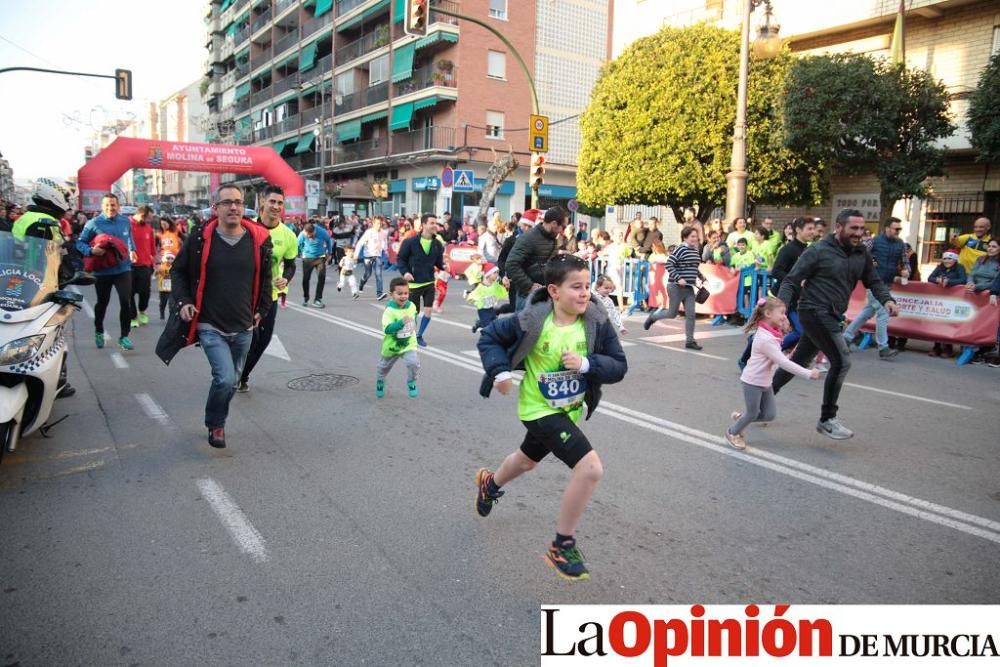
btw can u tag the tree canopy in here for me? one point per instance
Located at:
(861, 115)
(984, 113)
(659, 126)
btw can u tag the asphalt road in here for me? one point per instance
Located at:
(339, 529)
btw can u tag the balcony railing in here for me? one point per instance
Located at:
(261, 96)
(242, 104)
(287, 125)
(360, 150)
(261, 21)
(287, 83)
(228, 46)
(262, 59)
(310, 116)
(228, 80)
(344, 6)
(286, 42)
(423, 139)
(282, 5)
(366, 44)
(262, 133)
(315, 23)
(363, 98)
(425, 77)
(323, 65)
(242, 69)
(303, 162)
(242, 36)
(436, 17)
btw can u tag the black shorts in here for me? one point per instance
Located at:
(557, 434)
(426, 293)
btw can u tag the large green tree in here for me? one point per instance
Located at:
(984, 113)
(659, 127)
(861, 115)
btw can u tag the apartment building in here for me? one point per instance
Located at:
(350, 100)
(953, 39)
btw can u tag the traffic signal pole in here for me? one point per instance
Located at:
(122, 77)
(520, 61)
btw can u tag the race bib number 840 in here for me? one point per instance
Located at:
(562, 389)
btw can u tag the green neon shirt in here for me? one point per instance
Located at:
(400, 334)
(488, 297)
(564, 390)
(285, 246)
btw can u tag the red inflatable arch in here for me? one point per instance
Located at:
(96, 177)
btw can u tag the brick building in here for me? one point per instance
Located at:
(349, 99)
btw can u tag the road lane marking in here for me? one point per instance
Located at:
(909, 396)
(13, 458)
(676, 338)
(276, 349)
(969, 524)
(247, 538)
(154, 411)
(685, 351)
(118, 360)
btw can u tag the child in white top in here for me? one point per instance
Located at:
(770, 323)
(347, 265)
(603, 287)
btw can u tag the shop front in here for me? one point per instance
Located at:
(426, 188)
(551, 195)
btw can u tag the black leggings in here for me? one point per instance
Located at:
(821, 332)
(261, 339)
(309, 265)
(122, 282)
(141, 276)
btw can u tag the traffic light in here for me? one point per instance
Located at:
(123, 84)
(537, 170)
(416, 17)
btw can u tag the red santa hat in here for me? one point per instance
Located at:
(531, 215)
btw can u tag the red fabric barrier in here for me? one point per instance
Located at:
(723, 284)
(933, 313)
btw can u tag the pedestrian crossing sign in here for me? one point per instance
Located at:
(465, 181)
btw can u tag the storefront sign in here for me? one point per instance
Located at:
(868, 203)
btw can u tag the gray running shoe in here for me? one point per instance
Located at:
(888, 354)
(832, 428)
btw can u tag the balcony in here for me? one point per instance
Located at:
(282, 5)
(242, 36)
(228, 46)
(303, 161)
(241, 104)
(362, 98)
(261, 96)
(344, 6)
(423, 139)
(261, 21)
(360, 150)
(359, 47)
(316, 23)
(287, 125)
(286, 42)
(437, 17)
(323, 65)
(242, 69)
(425, 77)
(240, 4)
(228, 80)
(289, 82)
(263, 133)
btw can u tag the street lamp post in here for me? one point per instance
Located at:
(320, 133)
(766, 46)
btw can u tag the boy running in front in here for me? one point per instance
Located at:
(400, 339)
(568, 348)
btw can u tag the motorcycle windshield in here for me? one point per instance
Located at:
(29, 270)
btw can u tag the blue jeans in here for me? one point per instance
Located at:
(226, 354)
(793, 336)
(373, 265)
(881, 322)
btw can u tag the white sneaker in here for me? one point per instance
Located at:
(832, 428)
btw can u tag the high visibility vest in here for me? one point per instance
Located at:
(20, 228)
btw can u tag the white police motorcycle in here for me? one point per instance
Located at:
(34, 313)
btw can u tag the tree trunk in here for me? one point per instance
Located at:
(502, 167)
(886, 203)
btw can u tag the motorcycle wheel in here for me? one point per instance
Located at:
(6, 433)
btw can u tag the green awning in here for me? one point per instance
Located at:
(308, 58)
(242, 90)
(243, 19)
(287, 147)
(372, 117)
(402, 114)
(348, 131)
(243, 56)
(322, 7)
(427, 102)
(402, 64)
(279, 146)
(225, 5)
(231, 29)
(244, 123)
(398, 11)
(305, 144)
(437, 36)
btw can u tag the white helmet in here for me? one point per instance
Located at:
(48, 191)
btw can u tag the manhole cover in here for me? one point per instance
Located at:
(324, 382)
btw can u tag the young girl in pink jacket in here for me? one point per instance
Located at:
(770, 323)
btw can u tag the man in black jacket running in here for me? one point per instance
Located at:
(828, 272)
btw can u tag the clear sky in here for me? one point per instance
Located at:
(46, 119)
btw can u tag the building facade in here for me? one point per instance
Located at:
(952, 39)
(350, 100)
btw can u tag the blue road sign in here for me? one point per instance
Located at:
(465, 181)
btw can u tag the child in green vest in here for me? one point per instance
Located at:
(399, 327)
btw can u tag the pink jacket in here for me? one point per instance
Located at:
(766, 356)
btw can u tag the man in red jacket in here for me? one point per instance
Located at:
(142, 267)
(221, 280)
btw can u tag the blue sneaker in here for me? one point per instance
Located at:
(99, 339)
(125, 344)
(421, 342)
(412, 386)
(379, 388)
(567, 561)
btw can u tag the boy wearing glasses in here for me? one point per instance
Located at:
(888, 253)
(568, 348)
